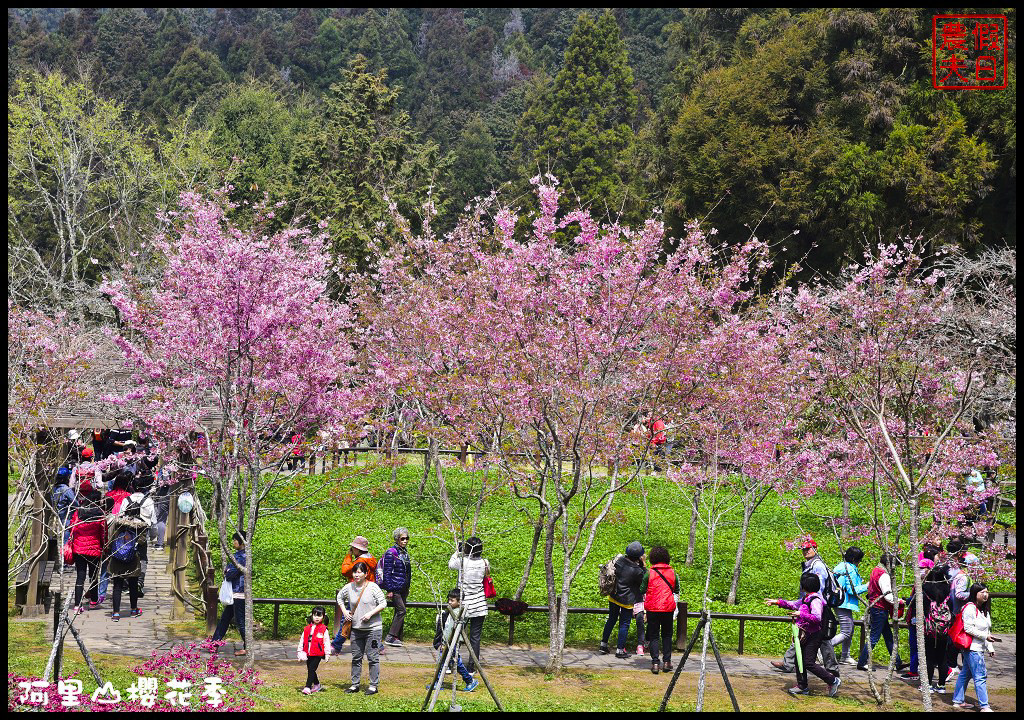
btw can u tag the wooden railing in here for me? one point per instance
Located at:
(682, 621)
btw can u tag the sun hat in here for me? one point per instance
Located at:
(360, 543)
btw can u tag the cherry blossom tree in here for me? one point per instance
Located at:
(892, 388)
(239, 344)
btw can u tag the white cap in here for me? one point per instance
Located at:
(73, 435)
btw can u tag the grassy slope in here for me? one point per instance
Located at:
(298, 554)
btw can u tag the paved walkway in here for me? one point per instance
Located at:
(144, 635)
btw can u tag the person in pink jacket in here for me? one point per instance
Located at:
(807, 614)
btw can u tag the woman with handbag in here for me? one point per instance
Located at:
(660, 601)
(361, 603)
(976, 622)
(474, 571)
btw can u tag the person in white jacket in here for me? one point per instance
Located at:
(978, 624)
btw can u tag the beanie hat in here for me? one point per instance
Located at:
(634, 550)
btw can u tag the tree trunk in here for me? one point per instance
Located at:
(537, 530)
(429, 458)
(691, 547)
(442, 491)
(926, 695)
(734, 588)
(844, 531)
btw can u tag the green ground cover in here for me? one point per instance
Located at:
(299, 553)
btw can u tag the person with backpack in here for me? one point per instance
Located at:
(88, 538)
(236, 610)
(660, 602)
(977, 624)
(808, 614)
(925, 562)
(848, 576)
(937, 619)
(830, 591)
(147, 513)
(124, 558)
(882, 604)
(959, 591)
(395, 579)
(314, 648)
(629, 573)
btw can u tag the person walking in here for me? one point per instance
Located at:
(64, 502)
(630, 571)
(807, 614)
(660, 605)
(361, 603)
(124, 555)
(88, 538)
(445, 636)
(395, 579)
(978, 625)
(847, 573)
(881, 607)
(236, 610)
(473, 568)
(314, 649)
(937, 619)
(959, 591)
(812, 563)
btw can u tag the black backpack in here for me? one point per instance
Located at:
(832, 592)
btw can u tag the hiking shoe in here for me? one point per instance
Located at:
(371, 690)
(640, 650)
(834, 689)
(847, 661)
(116, 617)
(393, 641)
(655, 667)
(667, 667)
(797, 690)
(473, 684)
(603, 648)
(136, 613)
(909, 675)
(864, 668)
(621, 654)
(352, 689)
(307, 691)
(940, 689)
(779, 665)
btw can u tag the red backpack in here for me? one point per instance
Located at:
(956, 633)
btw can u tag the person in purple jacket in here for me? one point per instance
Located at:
(394, 578)
(807, 614)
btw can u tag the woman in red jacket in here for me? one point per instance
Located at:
(660, 606)
(88, 538)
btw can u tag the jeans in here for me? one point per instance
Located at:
(845, 635)
(622, 616)
(880, 628)
(476, 627)
(366, 642)
(640, 628)
(825, 651)
(912, 639)
(974, 667)
(236, 612)
(659, 625)
(104, 578)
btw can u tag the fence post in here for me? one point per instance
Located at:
(511, 629)
(861, 651)
(681, 633)
(743, 624)
(277, 616)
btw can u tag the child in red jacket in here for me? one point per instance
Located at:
(314, 646)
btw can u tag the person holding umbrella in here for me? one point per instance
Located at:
(809, 635)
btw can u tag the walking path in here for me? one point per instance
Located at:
(149, 633)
